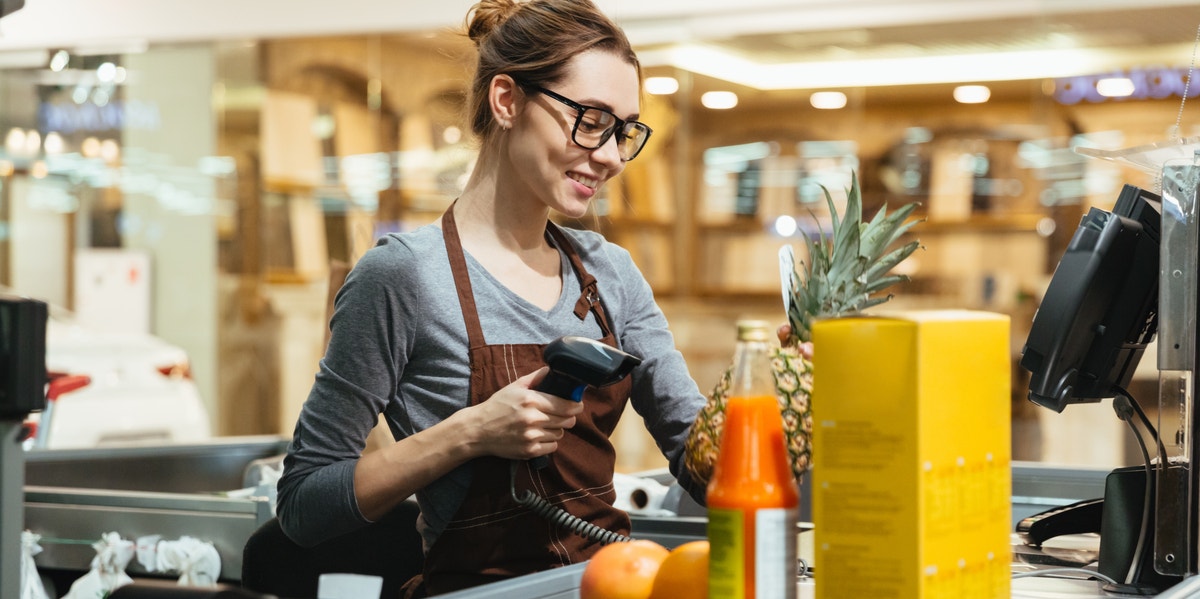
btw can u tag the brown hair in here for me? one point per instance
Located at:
(532, 42)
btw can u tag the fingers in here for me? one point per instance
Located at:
(531, 380)
(519, 422)
(785, 335)
(540, 441)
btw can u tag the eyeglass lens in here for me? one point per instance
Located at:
(595, 126)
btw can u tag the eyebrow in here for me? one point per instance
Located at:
(605, 105)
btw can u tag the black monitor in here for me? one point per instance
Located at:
(1101, 307)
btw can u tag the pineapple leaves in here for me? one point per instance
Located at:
(844, 267)
(892, 258)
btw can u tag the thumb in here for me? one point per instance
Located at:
(534, 378)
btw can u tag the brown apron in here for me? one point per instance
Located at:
(491, 537)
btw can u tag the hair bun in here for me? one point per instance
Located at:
(486, 16)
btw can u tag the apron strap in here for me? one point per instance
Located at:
(589, 293)
(462, 280)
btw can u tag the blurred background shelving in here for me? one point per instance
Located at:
(247, 153)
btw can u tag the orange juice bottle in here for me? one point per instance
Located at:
(752, 496)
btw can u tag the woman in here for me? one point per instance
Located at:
(441, 329)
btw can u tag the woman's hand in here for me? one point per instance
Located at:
(785, 339)
(515, 423)
(521, 423)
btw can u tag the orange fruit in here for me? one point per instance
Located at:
(684, 574)
(622, 570)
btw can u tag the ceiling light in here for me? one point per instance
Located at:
(14, 142)
(90, 147)
(33, 142)
(110, 150)
(1115, 87)
(719, 100)
(827, 100)
(53, 143)
(662, 86)
(60, 60)
(106, 72)
(972, 94)
(100, 97)
(715, 62)
(786, 226)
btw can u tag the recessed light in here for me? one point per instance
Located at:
(720, 100)
(827, 100)
(972, 94)
(1115, 87)
(662, 86)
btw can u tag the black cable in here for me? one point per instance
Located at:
(1124, 406)
(559, 517)
(1162, 450)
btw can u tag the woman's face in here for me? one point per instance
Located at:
(550, 166)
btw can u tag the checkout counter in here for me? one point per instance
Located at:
(210, 491)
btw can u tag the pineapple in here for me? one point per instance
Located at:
(840, 274)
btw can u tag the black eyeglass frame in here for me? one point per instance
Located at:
(580, 109)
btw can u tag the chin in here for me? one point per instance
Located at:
(573, 208)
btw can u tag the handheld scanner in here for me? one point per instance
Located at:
(578, 362)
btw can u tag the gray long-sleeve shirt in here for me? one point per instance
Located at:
(399, 346)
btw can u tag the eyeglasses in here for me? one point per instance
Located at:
(593, 126)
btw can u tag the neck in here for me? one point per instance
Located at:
(491, 209)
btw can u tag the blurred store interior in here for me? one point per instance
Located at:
(190, 175)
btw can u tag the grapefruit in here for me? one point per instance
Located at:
(622, 570)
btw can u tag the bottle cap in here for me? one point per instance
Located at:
(753, 330)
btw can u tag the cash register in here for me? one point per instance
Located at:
(1099, 312)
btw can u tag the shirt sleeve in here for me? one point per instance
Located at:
(664, 393)
(356, 379)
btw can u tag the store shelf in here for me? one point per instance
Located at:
(1015, 223)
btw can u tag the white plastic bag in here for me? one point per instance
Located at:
(107, 571)
(197, 561)
(31, 581)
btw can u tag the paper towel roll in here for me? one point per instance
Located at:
(642, 496)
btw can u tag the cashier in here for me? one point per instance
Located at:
(441, 329)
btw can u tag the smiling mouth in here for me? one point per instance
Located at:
(588, 182)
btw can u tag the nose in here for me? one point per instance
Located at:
(609, 155)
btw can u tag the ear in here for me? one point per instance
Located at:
(504, 99)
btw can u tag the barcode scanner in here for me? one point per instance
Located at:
(577, 363)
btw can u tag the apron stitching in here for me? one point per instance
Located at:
(509, 362)
(583, 492)
(555, 537)
(502, 514)
(492, 519)
(508, 514)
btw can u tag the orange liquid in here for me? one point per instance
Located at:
(752, 473)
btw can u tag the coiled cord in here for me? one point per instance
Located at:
(559, 517)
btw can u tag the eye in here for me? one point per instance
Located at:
(633, 132)
(595, 121)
